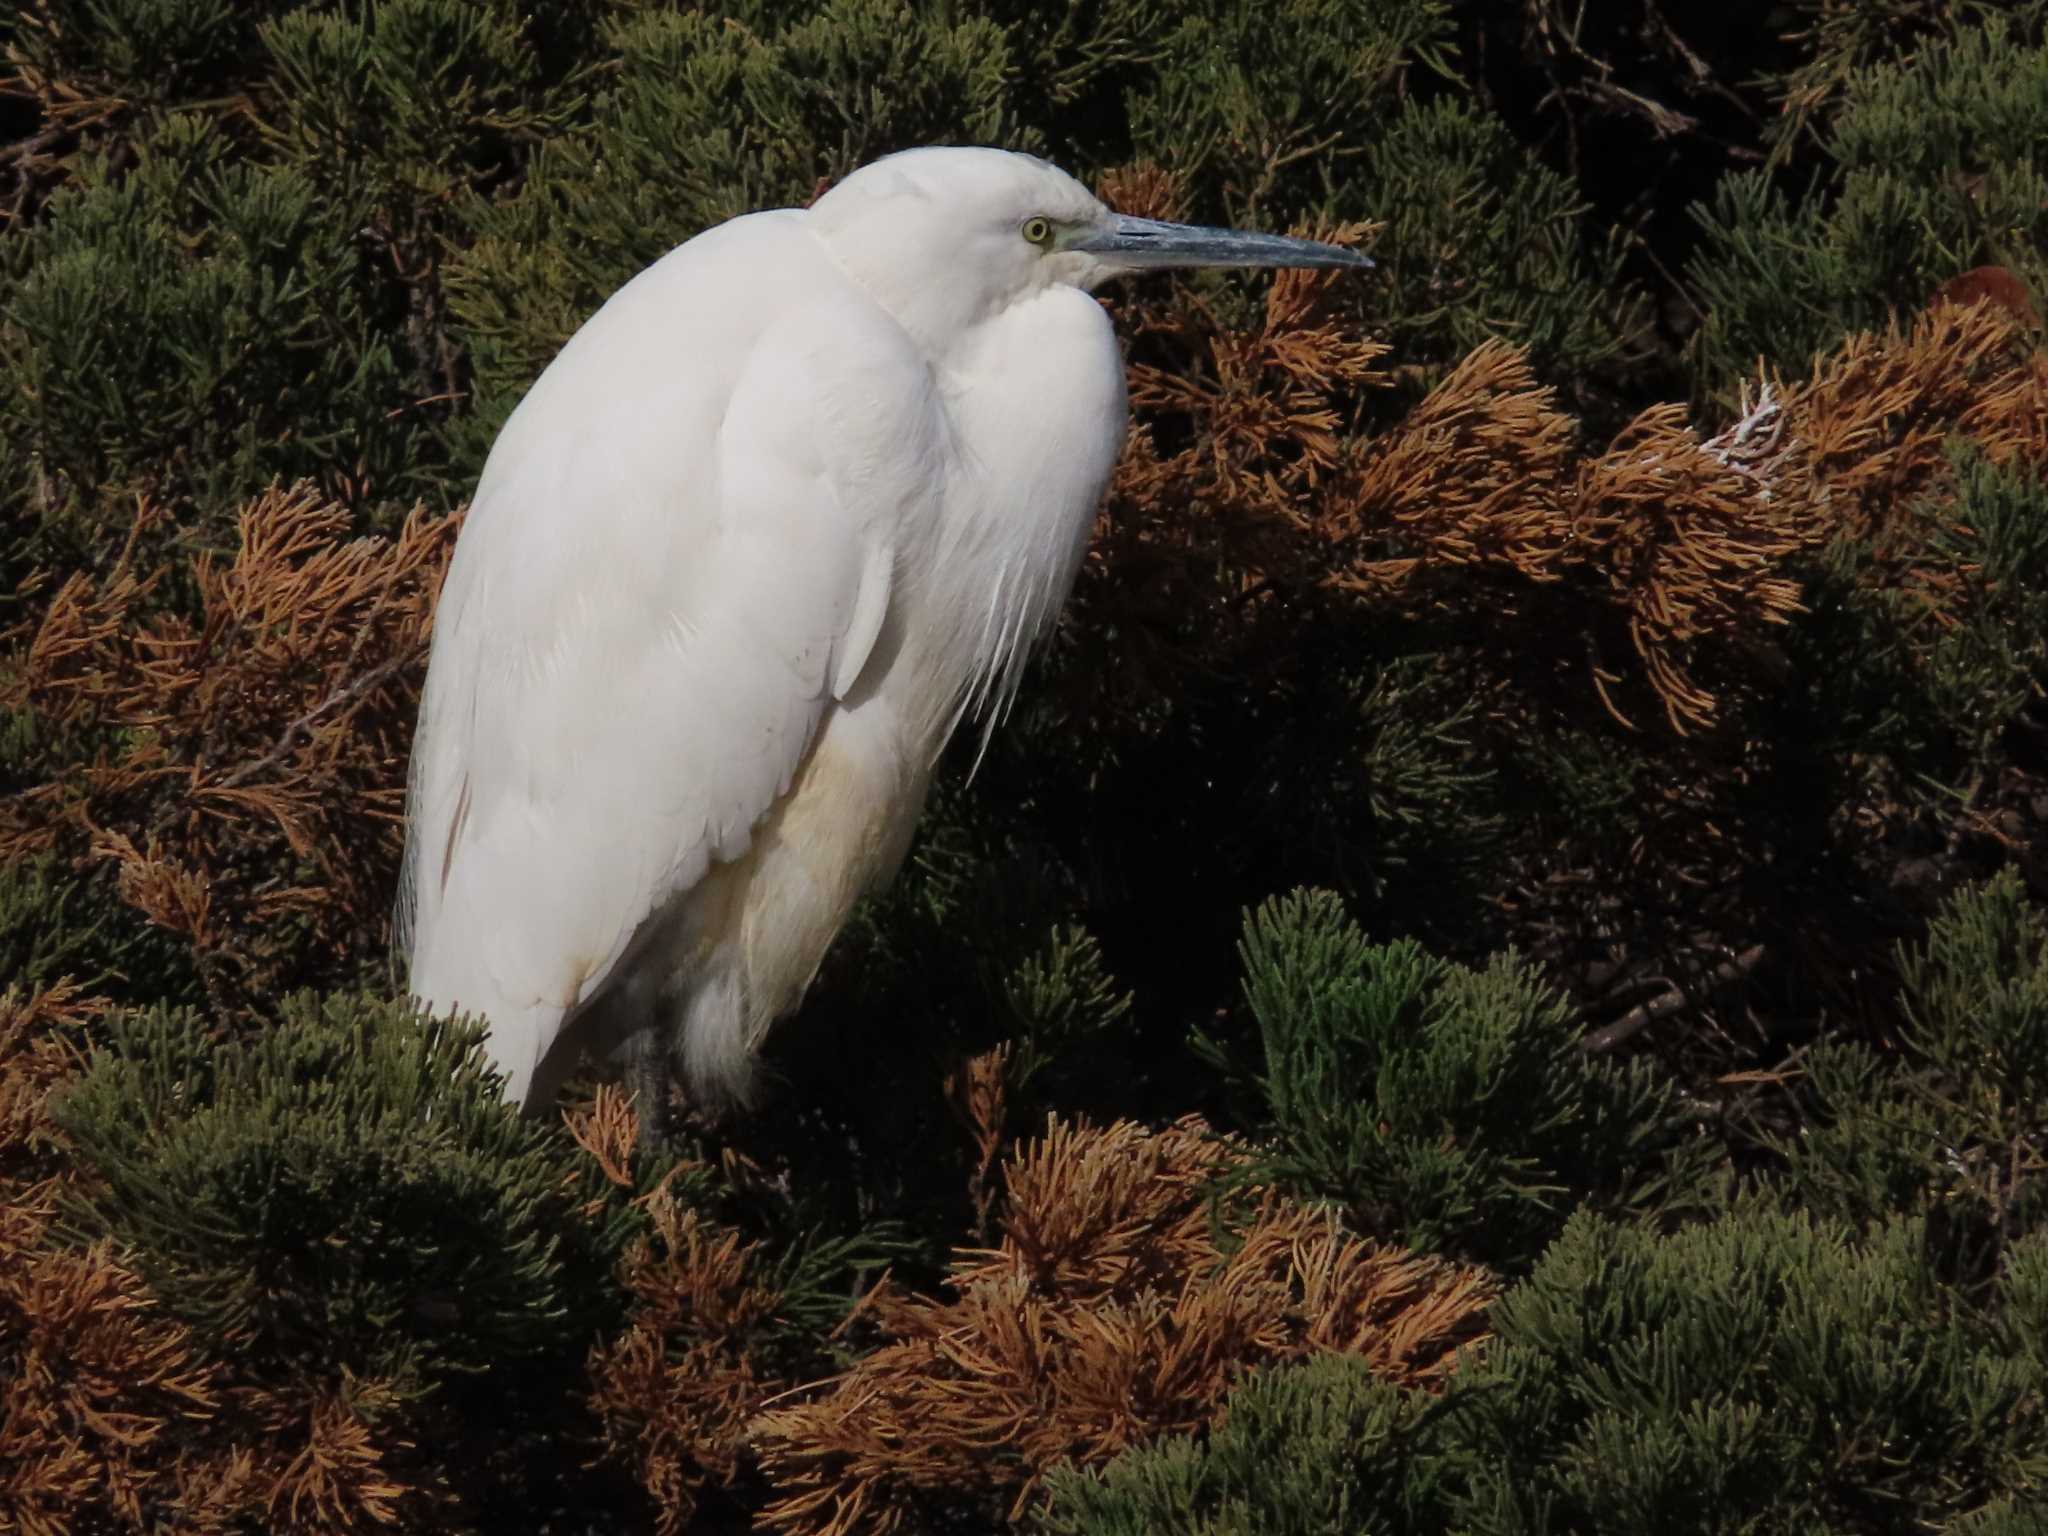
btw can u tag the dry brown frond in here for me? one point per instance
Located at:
(1144, 190)
(608, 1129)
(243, 769)
(1112, 1312)
(1243, 484)
(978, 1089)
(1877, 414)
(103, 1396)
(1234, 431)
(34, 1059)
(335, 1479)
(1692, 537)
(1262, 415)
(1472, 477)
(1686, 537)
(675, 1390)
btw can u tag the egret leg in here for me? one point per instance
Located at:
(646, 1064)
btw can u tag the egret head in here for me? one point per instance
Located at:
(951, 235)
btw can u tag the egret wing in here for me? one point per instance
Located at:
(680, 554)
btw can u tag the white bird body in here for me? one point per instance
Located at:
(781, 511)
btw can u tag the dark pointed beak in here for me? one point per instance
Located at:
(1139, 245)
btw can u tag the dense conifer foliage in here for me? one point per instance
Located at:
(1495, 979)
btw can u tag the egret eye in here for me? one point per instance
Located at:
(1038, 231)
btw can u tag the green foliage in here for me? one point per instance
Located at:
(46, 931)
(1957, 1128)
(1906, 690)
(1306, 1450)
(203, 305)
(403, 104)
(1060, 998)
(2014, 1515)
(1763, 1372)
(1579, 783)
(1483, 240)
(56, 925)
(1428, 800)
(1993, 542)
(1840, 40)
(1871, 1147)
(1932, 169)
(1445, 1107)
(201, 309)
(1071, 65)
(1311, 111)
(1766, 1371)
(1976, 999)
(347, 1192)
(1272, 104)
(145, 53)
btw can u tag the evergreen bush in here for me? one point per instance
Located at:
(1322, 1446)
(1448, 1108)
(1953, 1127)
(205, 307)
(1930, 171)
(1663, 788)
(1763, 1371)
(1854, 1344)
(347, 1192)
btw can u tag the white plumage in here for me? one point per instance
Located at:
(796, 497)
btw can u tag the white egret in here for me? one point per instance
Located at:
(797, 498)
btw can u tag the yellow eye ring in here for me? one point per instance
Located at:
(1038, 231)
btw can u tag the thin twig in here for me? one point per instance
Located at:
(1608, 1036)
(289, 737)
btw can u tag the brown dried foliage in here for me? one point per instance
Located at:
(34, 1058)
(1689, 543)
(1876, 415)
(242, 768)
(1233, 430)
(676, 1389)
(114, 1416)
(96, 1382)
(1112, 1311)
(99, 1389)
(223, 763)
(337, 1477)
(1684, 536)
(978, 1091)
